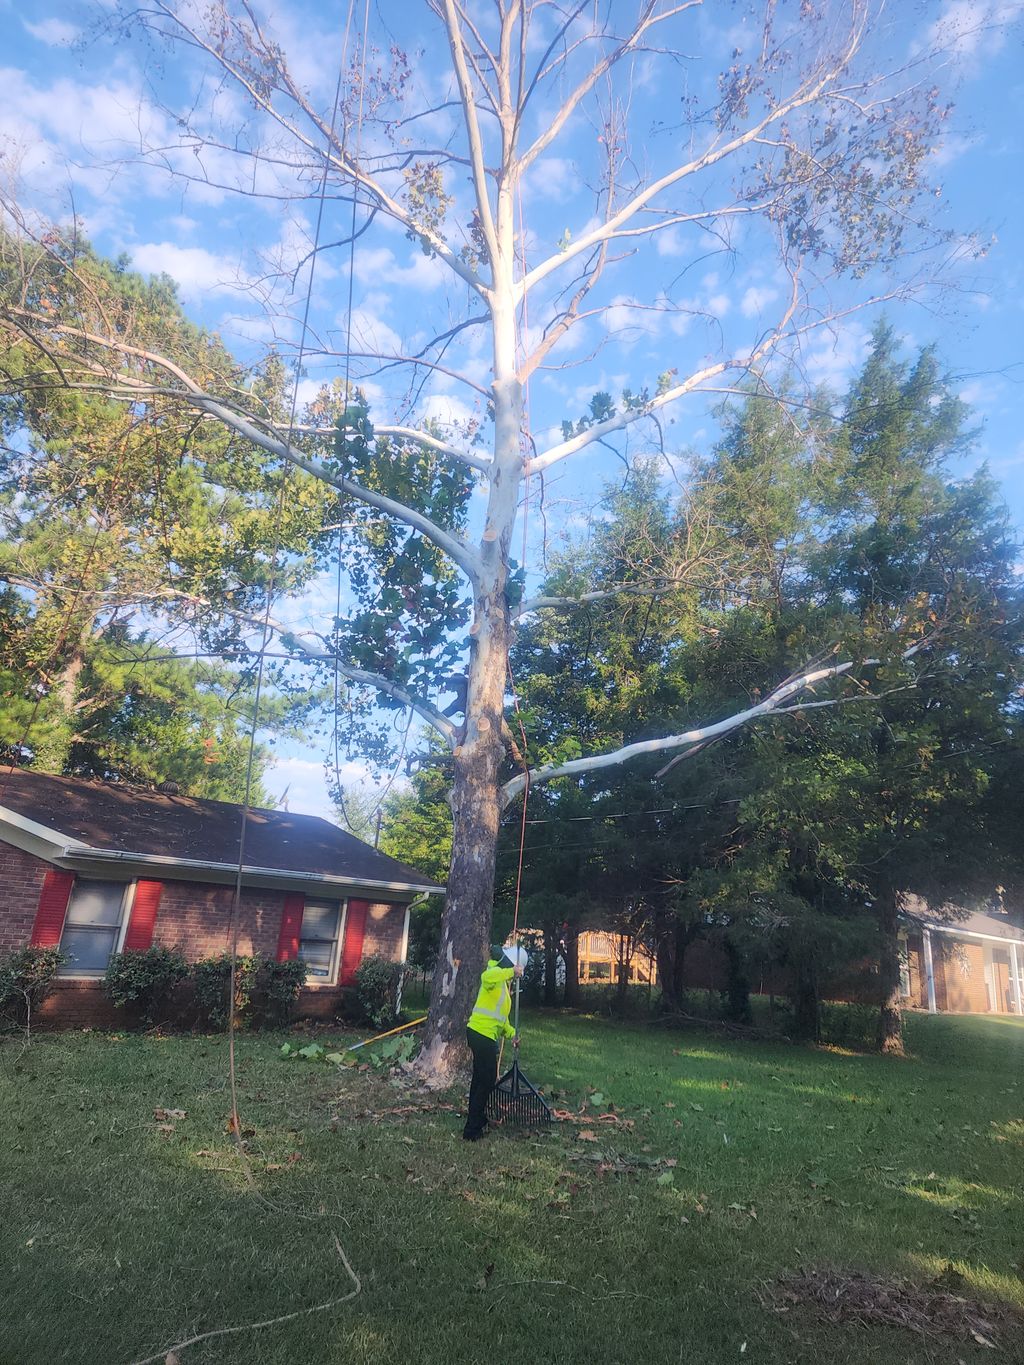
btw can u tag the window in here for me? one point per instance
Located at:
(318, 941)
(92, 926)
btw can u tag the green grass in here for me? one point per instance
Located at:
(119, 1239)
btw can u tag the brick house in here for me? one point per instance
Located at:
(96, 868)
(973, 965)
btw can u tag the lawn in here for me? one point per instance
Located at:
(124, 1233)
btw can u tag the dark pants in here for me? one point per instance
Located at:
(485, 1073)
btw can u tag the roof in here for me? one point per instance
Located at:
(84, 822)
(950, 920)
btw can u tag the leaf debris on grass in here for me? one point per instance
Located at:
(850, 1296)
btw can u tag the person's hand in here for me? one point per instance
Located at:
(519, 971)
(515, 1042)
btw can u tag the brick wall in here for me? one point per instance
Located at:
(21, 880)
(384, 926)
(959, 977)
(194, 917)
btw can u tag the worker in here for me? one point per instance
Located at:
(488, 1024)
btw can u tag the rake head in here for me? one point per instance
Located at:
(515, 1100)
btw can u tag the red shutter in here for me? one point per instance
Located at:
(291, 927)
(139, 935)
(53, 906)
(355, 929)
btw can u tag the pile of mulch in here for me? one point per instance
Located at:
(931, 1310)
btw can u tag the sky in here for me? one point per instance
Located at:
(95, 118)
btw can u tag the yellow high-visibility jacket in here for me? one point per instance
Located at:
(493, 1003)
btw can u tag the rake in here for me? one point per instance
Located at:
(515, 1099)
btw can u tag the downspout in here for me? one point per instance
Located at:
(929, 971)
(404, 953)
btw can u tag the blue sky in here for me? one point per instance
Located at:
(78, 105)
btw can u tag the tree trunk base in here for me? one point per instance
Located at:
(439, 1064)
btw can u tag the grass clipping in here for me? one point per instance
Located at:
(931, 1310)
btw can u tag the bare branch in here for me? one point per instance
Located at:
(404, 434)
(701, 735)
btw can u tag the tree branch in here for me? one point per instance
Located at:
(404, 434)
(701, 735)
(194, 396)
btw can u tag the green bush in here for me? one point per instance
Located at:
(26, 979)
(277, 988)
(265, 990)
(211, 979)
(853, 1026)
(144, 982)
(377, 990)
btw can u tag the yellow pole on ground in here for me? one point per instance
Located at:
(377, 1038)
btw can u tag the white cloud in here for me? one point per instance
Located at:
(834, 357)
(447, 409)
(670, 242)
(628, 320)
(53, 32)
(552, 178)
(974, 28)
(302, 783)
(375, 266)
(756, 300)
(372, 333)
(197, 271)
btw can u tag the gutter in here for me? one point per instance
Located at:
(970, 933)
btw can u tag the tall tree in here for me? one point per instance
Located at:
(808, 135)
(119, 528)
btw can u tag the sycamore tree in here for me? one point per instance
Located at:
(799, 139)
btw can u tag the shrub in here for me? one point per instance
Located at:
(853, 1025)
(145, 981)
(377, 989)
(278, 985)
(26, 979)
(211, 978)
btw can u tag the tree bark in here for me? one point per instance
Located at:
(737, 990)
(890, 1014)
(672, 938)
(476, 796)
(806, 1003)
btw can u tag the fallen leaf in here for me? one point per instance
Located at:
(666, 1178)
(293, 1157)
(586, 1135)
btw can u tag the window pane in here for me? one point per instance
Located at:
(317, 957)
(320, 921)
(96, 903)
(88, 950)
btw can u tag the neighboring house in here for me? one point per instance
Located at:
(605, 957)
(973, 965)
(96, 868)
